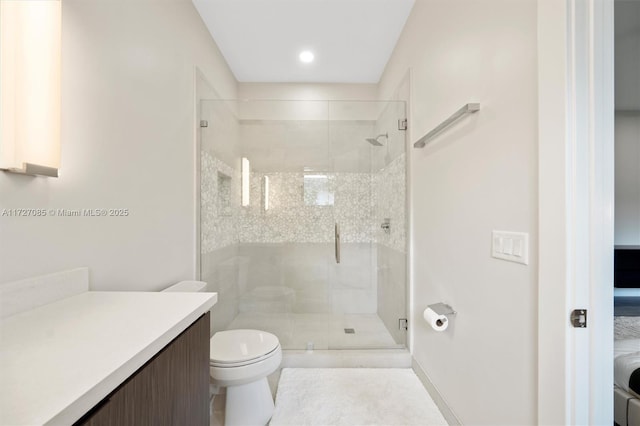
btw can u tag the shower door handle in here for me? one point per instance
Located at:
(337, 242)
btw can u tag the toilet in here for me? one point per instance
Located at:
(240, 361)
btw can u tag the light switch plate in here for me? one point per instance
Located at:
(511, 246)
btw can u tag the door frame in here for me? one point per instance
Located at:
(202, 90)
(576, 193)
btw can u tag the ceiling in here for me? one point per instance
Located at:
(261, 39)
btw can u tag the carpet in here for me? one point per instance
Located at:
(353, 396)
(626, 328)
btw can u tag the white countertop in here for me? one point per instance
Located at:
(59, 360)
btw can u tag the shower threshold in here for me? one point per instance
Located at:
(324, 331)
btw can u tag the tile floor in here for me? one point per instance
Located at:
(325, 331)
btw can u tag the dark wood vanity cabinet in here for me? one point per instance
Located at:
(170, 389)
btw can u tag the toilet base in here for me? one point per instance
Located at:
(250, 404)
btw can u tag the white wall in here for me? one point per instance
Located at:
(479, 176)
(127, 142)
(627, 216)
(627, 125)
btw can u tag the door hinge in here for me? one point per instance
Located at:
(204, 123)
(579, 318)
(402, 124)
(403, 324)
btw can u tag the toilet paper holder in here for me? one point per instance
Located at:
(442, 309)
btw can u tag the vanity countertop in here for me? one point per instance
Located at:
(59, 360)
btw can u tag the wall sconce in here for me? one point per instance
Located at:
(30, 46)
(246, 171)
(266, 193)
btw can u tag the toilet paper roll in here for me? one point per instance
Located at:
(436, 321)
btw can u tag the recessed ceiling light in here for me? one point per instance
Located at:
(306, 56)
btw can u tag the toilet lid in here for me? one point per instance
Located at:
(233, 346)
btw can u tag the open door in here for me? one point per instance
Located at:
(575, 372)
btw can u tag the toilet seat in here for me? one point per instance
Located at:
(242, 356)
(241, 346)
(220, 364)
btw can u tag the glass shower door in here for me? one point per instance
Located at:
(389, 176)
(368, 285)
(271, 266)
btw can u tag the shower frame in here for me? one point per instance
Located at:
(211, 124)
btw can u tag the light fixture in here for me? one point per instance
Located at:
(306, 56)
(246, 171)
(30, 46)
(266, 193)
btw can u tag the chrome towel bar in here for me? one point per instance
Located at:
(467, 109)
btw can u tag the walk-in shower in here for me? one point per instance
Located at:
(279, 263)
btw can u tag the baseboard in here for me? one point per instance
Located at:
(442, 405)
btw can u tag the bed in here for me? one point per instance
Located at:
(627, 382)
(626, 277)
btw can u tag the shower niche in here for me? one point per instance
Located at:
(306, 259)
(224, 195)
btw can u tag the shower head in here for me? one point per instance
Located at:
(375, 141)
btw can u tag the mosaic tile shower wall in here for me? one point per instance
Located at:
(219, 203)
(360, 202)
(298, 214)
(389, 200)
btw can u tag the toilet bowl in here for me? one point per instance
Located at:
(240, 361)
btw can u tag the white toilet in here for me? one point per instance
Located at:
(240, 361)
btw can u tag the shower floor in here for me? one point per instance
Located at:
(323, 331)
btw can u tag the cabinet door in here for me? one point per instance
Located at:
(180, 379)
(131, 404)
(171, 389)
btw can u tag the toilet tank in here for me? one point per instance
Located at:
(188, 287)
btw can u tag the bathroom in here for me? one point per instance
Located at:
(139, 76)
